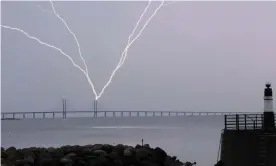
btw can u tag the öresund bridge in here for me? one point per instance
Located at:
(108, 114)
(95, 113)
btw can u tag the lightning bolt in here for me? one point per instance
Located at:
(125, 50)
(137, 24)
(74, 35)
(54, 47)
(172, 2)
(85, 72)
(44, 10)
(76, 40)
(145, 10)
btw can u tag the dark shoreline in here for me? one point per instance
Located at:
(10, 119)
(89, 155)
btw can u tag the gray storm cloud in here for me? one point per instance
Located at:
(193, 56)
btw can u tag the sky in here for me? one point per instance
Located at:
(193, 56)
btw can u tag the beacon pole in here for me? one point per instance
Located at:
(95, 108)
(268, 120)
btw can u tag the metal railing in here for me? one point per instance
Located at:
(244, 121)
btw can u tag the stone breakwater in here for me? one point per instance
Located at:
(89, 155)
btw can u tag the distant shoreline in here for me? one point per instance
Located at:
(10, 119)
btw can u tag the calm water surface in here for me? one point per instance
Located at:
(194, 138)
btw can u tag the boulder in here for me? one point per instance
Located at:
(97, 147)
(107, 148)
(3, 161)
(171, 162)
(127, 152)
(117, 163)
(28, 160)
(143, 154)
(138, 146)
(12, 158)
(174, 158)
(70, 155)
(66, 160)
(4, 155)
(161, 154)
(82, 163)
(87, 152)
(113, 156)
(146, 146)
(51, 150)
(99, 152)
(120, 146)
(148, 163)
(11, 150)
(48, 161)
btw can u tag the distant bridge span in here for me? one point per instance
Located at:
(108, 114)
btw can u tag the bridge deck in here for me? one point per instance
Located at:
(107, 114)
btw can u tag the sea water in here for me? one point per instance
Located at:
(190, 138)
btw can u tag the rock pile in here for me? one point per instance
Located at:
(88, 155)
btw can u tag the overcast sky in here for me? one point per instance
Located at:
(193, 56)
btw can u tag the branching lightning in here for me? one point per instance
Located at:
(62, 20)
(137, 24)
(133, 40)
(51, 46)
(44, 10)
(172, 2)
(78, 45)
(123, 55)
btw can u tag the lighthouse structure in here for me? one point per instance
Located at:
(244, 143)
(268, 121)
